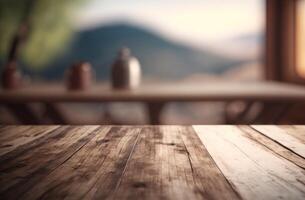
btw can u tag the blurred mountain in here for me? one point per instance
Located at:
(246, 46)
(158, 56)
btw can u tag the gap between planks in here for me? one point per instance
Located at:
(283, 137)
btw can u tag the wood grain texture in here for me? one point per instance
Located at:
(273, 146)
(24, 167)
(14, 136)
(151, 162)
(255, 171)
(283, 137)
(93, 172)
(171, 163)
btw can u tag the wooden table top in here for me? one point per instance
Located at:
(209, 91)
(152, 162)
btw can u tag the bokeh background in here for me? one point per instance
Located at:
(174, 40)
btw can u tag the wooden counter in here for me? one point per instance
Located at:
(278, 98)
(152, 162)
(159, 92)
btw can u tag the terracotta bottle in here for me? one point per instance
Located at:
(79, 76)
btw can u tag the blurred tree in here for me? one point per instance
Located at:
(45, 25)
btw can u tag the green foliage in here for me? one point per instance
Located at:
(50, 28)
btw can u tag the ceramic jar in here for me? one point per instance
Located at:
(79, 76)
(126, 71)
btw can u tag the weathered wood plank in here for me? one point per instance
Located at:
(296, 131)
(93, 171)
(256, 172)
(171, 163)
(168, 162)
(280, 135)
(23, 149)
(272, 145)
(22, 136)
(206, 174)
(9, 132)
(26, 166)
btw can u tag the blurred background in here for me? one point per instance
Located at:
(190, 41)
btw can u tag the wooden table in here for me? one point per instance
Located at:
(156, 95)
(159, 92)
(152, 162)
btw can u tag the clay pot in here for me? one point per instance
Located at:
(79, 76)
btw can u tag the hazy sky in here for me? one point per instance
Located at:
(193, 21)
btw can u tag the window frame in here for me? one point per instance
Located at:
(296, 40)
(281, 41)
